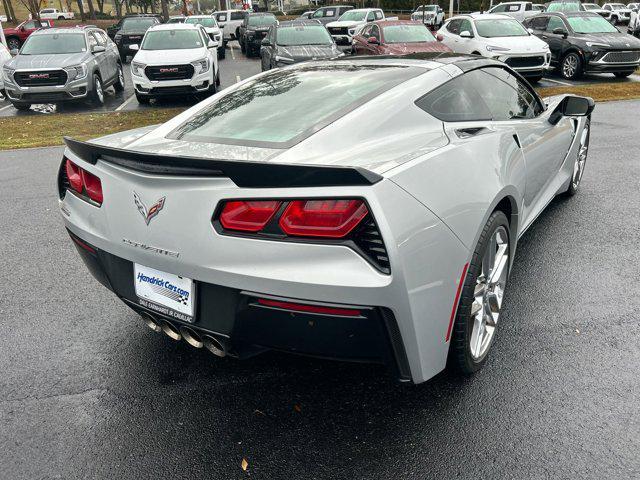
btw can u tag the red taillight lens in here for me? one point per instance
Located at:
(248, 216)
(322, 218)
(303, 307)
(73, 175)
(93, 186)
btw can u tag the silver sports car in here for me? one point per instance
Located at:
(363, 209)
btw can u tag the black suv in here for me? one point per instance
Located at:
(253, 29)
(129, 31)
(584, 42)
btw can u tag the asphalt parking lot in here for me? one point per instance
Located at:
(235, 67)
(89, 392)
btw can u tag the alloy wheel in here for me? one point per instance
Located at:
(99, 92)
(120, 75)
(581, 159)
(570, 66)
(488, 293)
(13, 44)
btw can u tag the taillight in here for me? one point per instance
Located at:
(74, 175)
(322, 218)
(93, 186)
(304, 307)
(248, 216)
(82, 182)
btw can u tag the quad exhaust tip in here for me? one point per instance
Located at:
(151, 322)
(214, 345)
(171, 330)
(192, 337)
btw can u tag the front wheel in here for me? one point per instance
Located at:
(23, 107)
(571, 66)
(142, 100)
(481, 297)
(581, 159)
(97, 96)
(535, 79)
(13, 44)
(623, 74)
(119, 85)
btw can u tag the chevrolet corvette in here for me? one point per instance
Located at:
(364, 209)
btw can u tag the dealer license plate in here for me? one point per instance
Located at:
(164, 292)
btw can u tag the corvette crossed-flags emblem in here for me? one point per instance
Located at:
(148, 214)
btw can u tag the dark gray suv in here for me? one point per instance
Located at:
(63, 64)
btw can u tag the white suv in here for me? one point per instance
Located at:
(619, 12)
(431, 15)
(230, 21)
(211, 27)
(175, 59)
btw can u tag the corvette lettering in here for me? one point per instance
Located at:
(160, 251)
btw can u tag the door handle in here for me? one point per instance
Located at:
(469, 132)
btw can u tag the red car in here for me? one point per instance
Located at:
(16, 36)
(395, 37)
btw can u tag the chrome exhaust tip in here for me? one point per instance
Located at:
(171, 330)
(214, 345)
(150, 322)
(191, 337)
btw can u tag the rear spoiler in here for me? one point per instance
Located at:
(242, 173)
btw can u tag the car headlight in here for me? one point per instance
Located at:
(493, 48)
(597, 44)
(137, 69)
(8, 73)
(76, 73)
(203, 64)
(282, 59)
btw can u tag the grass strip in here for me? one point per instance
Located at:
(44, 130)
(600, 92)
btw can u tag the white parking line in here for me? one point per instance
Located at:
(4, 108)
(238, 78)
(233, 55)
(125, 103)
(558, 81)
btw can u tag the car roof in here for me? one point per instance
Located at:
(63, 30)
(386, 23)
(291, 23)
(571, 14)
(261, 14)
(485, 16)
(175, 26)
(363, 9)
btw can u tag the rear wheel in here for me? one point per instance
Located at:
(581, 159)
(97, 95)
(535, 79)
(571, 66)
(119, 85)
(242, 47)
(222, 53)
(481, 299)
(623, 74)
(13, 43)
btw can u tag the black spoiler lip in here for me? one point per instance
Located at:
(243, 173)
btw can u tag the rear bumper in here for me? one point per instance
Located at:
(238, 319)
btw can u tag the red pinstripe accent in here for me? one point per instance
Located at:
(455, 302)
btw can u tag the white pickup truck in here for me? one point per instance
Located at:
(517, 10)
(55, 14)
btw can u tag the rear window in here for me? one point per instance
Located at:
(303, 35)
(285, 106)
(262, 20)
(407, 34)
(138, 24)
(237, 15)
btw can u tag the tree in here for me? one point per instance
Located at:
(8, 9)
(165, 9)
(34, 7)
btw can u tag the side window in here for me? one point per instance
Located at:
(237, 16)
(91, 40)
(370, 17)
(607, 7)
(528, 7)
(98, 38)
(375, 32)
(538, 23)
(465, 26)
(456, 101)
(30, 24)
(378, 14)
(454, 26)
(366, 31)
(512, 8)
(499, 9)
(317, 14)
(554, 22)
(506, 97)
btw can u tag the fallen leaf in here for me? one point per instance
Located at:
(297, 408)
(258, 412)
(577, 331)
(244, 464)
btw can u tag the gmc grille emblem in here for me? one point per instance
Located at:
(38, 75)
(168, 70)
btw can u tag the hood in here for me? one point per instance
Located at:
(344, 24)
(165, 57)
(406, 48)
(309, 52)
(523, 45)
(24, 62)
(616, 40)
(259, 28)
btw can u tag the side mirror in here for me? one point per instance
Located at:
(373, 41)
(560, 31)
(265, 42)
(572, 106)
(530, 30)
(135, 47)
(98, 49)
(466, 34)
(439, 37)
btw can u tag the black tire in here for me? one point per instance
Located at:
(120, 82)
(613, 20)
(97, 93)
(13, 43)
(535, 79)
(242, 47)
(460, 358)
(623, 74)
(23, 107)
(217, 79)
(576, 66)
(222, 53)
(142, 99)
(123, 58)
(61, 18)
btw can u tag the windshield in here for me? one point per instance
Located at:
(303, 35)
(617, 6)
(352, 16)
(138, 24)
(205, 22)
(563, 7)
(595, 24)
(54, 44)
(286, 106)
(591, 6)
(172, 40)
(176, 20)
(500, 28)
(427, 8)
(262, 20)
(407, 34)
